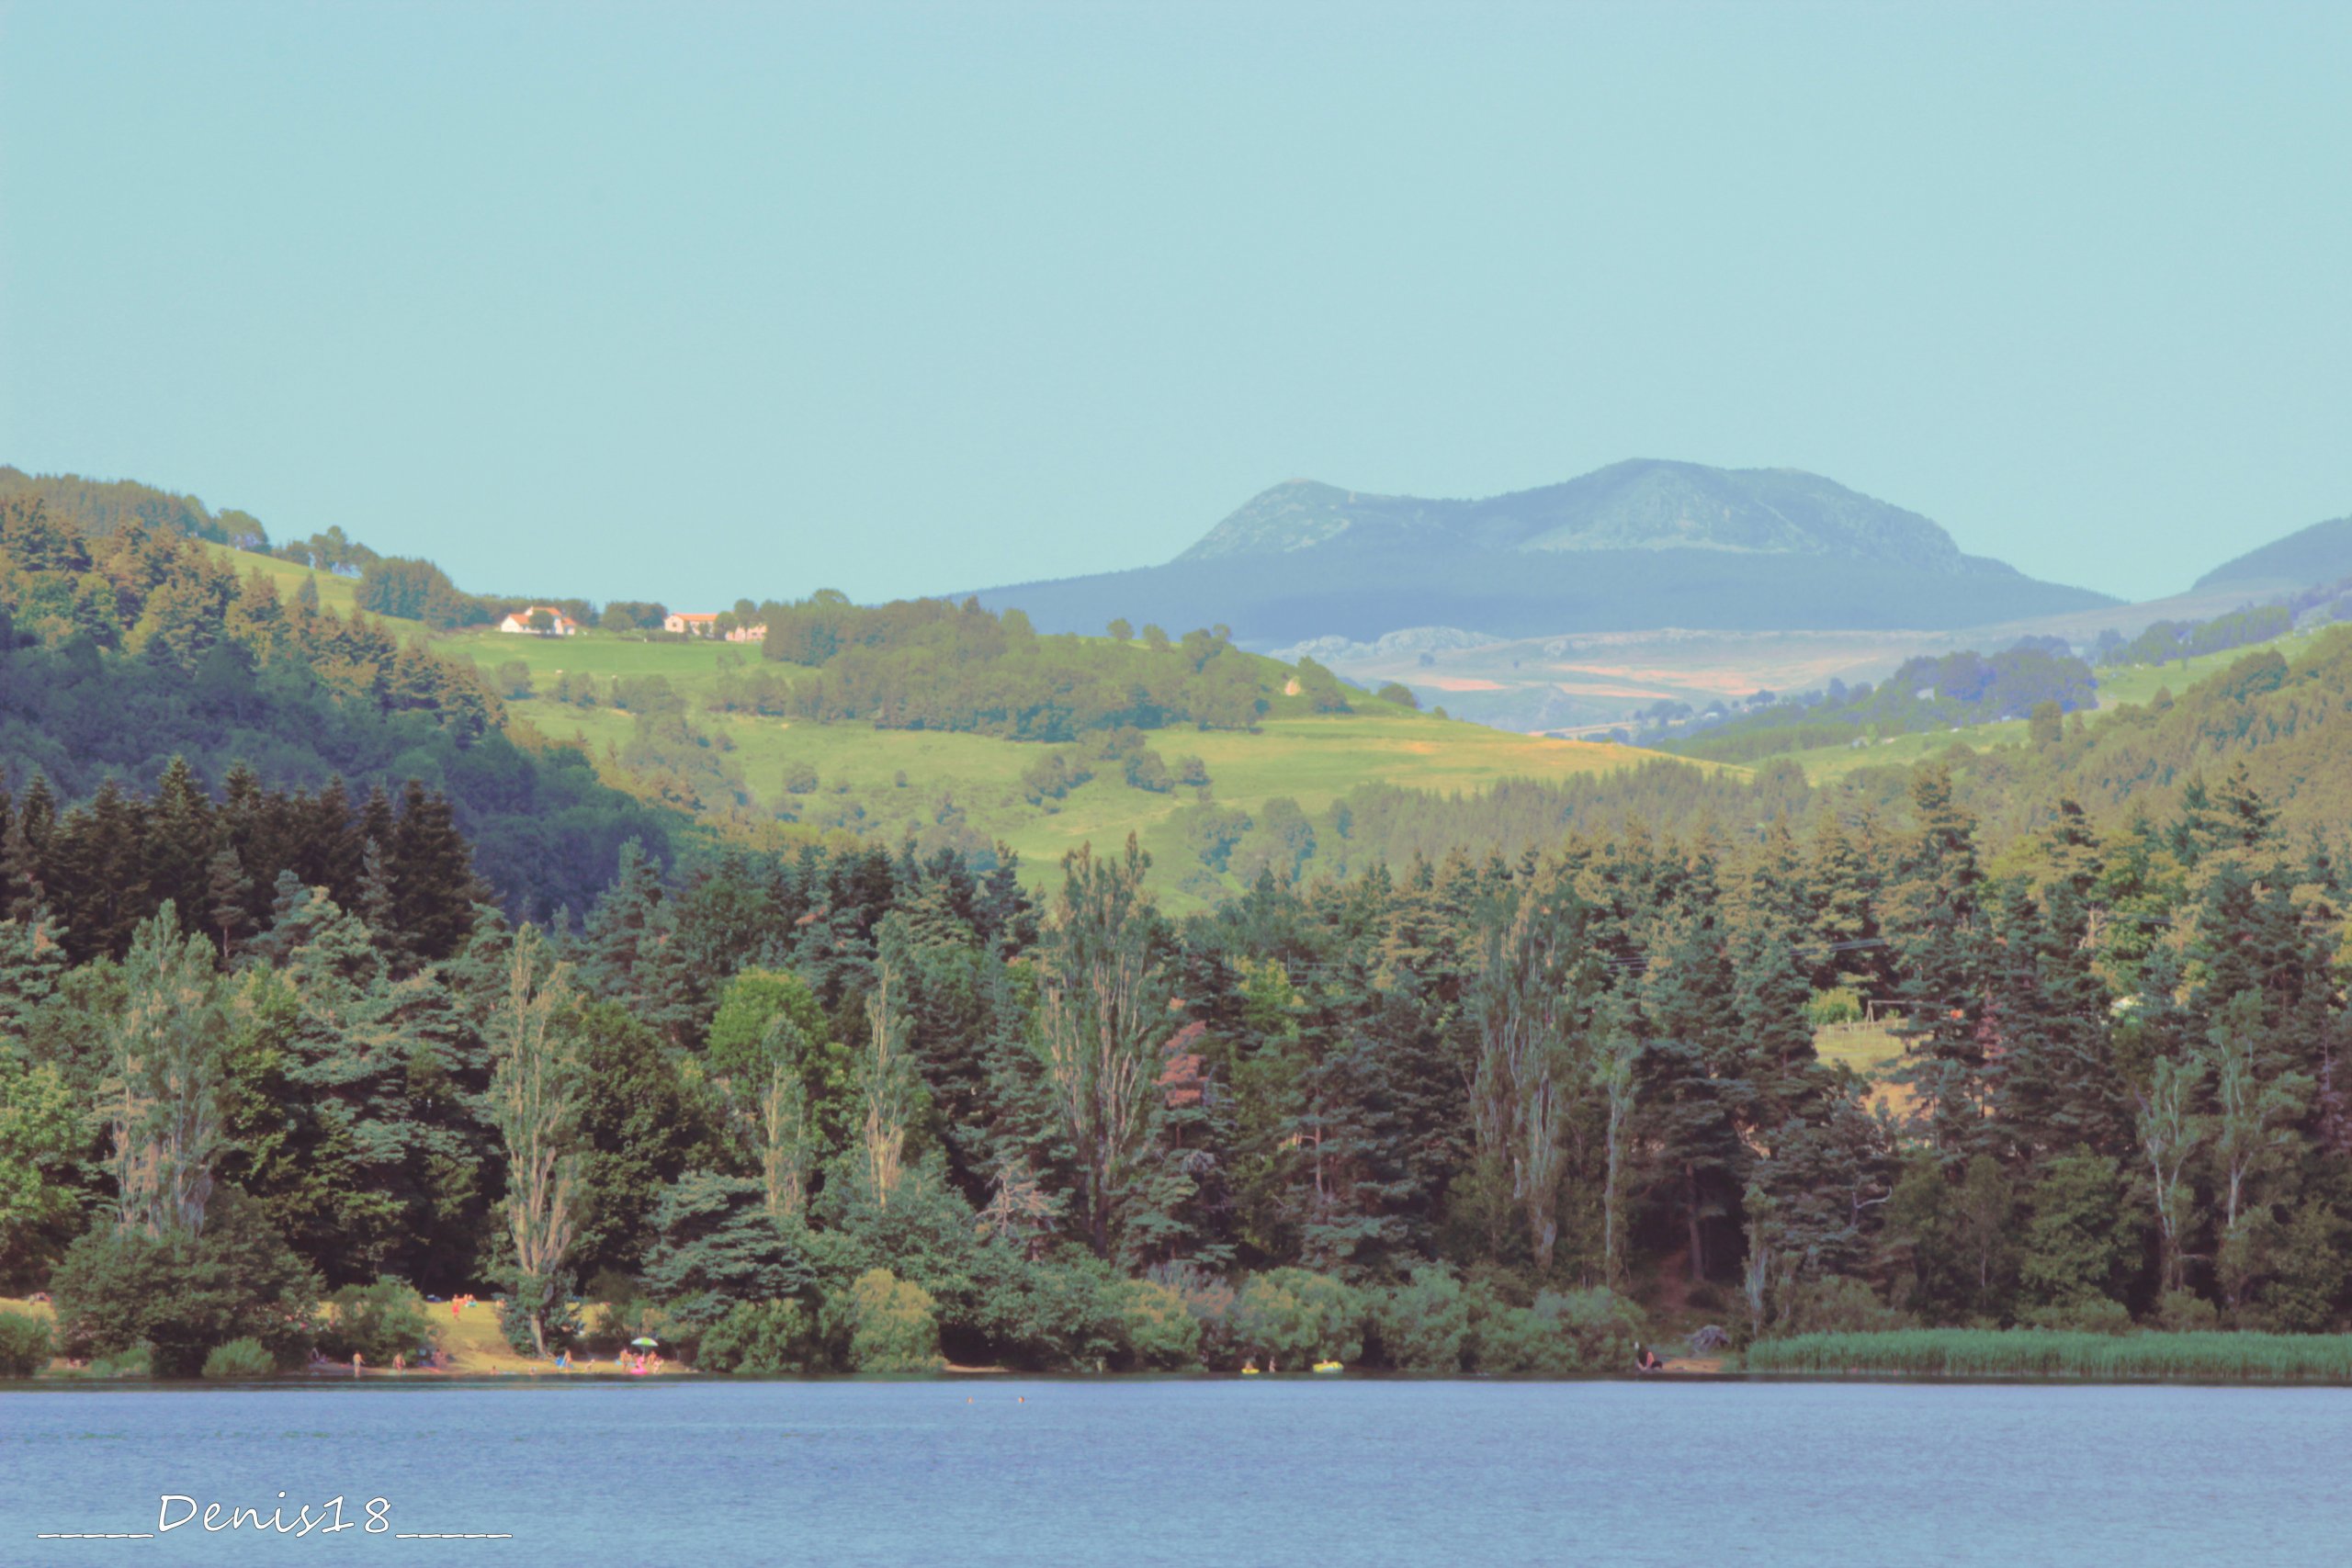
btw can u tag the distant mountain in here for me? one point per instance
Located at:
(2305, 559)
(1634, 546)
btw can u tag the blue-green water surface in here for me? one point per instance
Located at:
(1345, 1472)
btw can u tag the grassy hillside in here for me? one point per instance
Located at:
(336, 593)
(975, 781)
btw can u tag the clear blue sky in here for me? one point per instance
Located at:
(692, 301)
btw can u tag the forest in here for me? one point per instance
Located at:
(319, 980)
(121, 650)
(847, 1108)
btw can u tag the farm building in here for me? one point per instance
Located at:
(756, 632)
(519, 624)
(692, 622)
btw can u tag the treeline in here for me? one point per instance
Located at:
(857, 1109)
(2283, 723)
(2168, 640)
(100, 507)
(930, 664)
(119, 652)
(1937, 692)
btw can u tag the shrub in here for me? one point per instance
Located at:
(2082, 1314)
(1210, 1302)
(2186, 1312)
(1522, 1340)
(1424, 1323)
(183, 1294)
(1840, 1004)
(378, 1321)
(240, 1360)
(136, 1362)
(763, 1338)
(1398, 693)
(26, 1344)
(1604, 1325)
(1159, 1330)
(1561, 1332)
(889, 1325)
(1295, 1317)
(800, 778)
(1840, 1304)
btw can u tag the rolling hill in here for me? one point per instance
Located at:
(1636, 545)
(947, 789)
(2305, 559)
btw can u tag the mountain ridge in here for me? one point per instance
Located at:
(1642, 544)
(1639, 504)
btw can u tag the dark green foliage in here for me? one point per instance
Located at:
(185, 1294)
(764, 1338)
(419, 591)
(26, 1344)
(930, 664)
(715, 1247)
(240, 1360)
(376, 1323)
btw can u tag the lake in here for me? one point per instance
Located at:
(1346, 1473)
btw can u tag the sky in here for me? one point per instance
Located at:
(695, 303)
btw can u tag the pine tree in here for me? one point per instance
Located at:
(433, 886)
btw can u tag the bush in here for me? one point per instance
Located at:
(1841, 1004)
(2082, 1314)
(800, 778)
(1398, 693)
(1158, 1328)
(1562, 1332)
(1604, 1325)
(1841, 1304)
(1522, 1340)
(376, 1322)
(889, 1324)
(2186, 1312)
(136, 1362)
(1295, 1318)
(1210, 1302)
(763, 1338)
(1424, 1323)
(240, 1360)
(183, 1294)
(26, 1344)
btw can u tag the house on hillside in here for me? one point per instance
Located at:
(521, 623)
(690, 623)
(757, 632)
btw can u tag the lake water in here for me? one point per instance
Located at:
(1344, 1472)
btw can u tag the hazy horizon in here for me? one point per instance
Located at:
(908, 298)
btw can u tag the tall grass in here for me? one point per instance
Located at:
(1974, 1352)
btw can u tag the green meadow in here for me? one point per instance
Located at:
(1312, 759)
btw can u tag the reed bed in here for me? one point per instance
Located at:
(2041, 1353)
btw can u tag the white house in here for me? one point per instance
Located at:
(756, 632)
(558, 623)
(691, 623)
